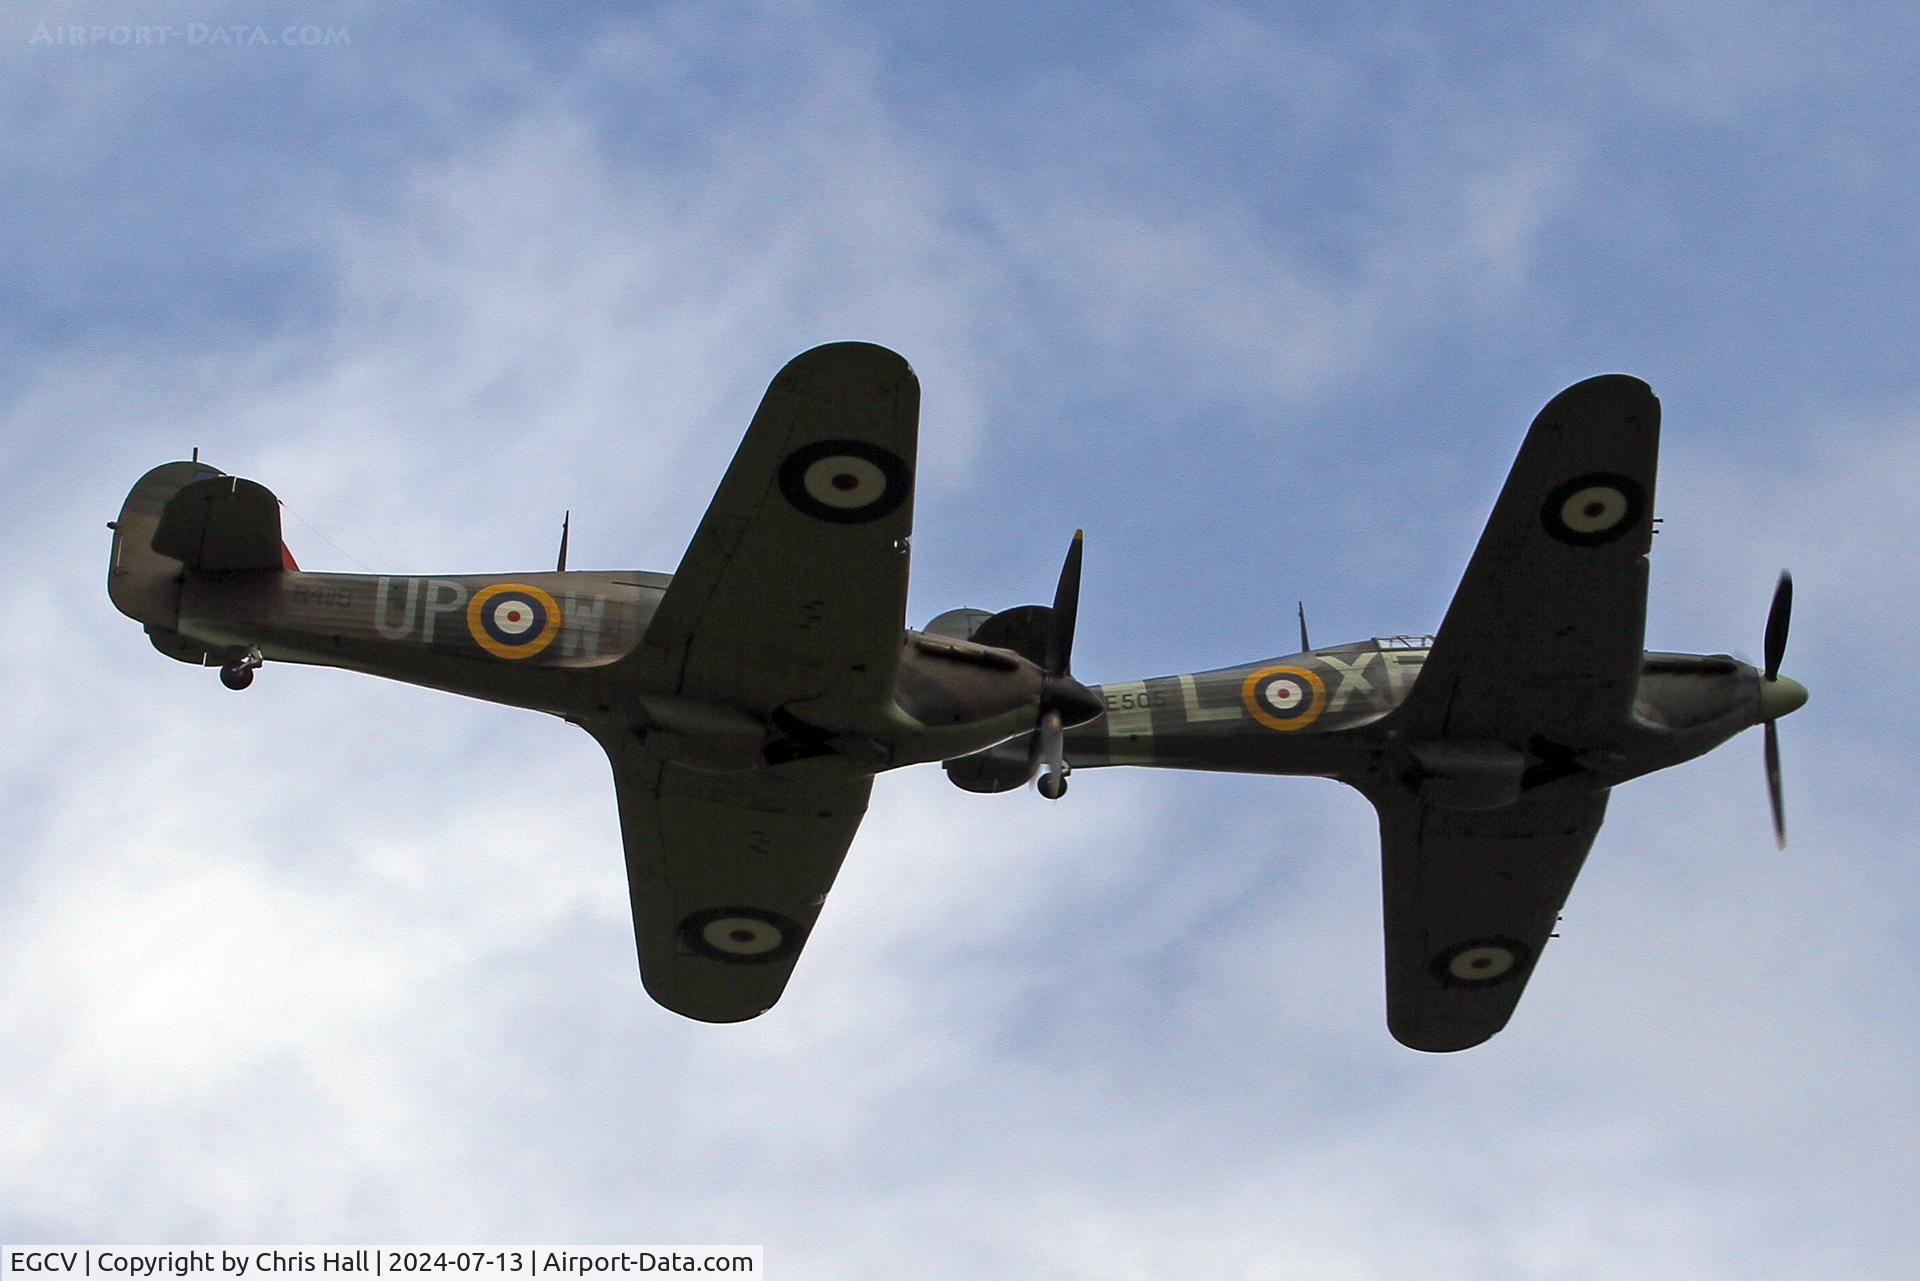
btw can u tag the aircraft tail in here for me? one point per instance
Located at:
(182, 518)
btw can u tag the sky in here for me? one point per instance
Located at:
(1261, 296)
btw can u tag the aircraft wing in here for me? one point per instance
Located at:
(1543, 639)
(793, 590)
(1540, 651)
(727, 874)
(1471, 897)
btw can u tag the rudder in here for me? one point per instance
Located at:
(222, 525)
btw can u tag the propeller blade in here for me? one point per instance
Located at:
(1063, 700)
(1778, 617)
(1066, 609)
(1773, 785)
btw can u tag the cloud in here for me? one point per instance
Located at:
(345, 958)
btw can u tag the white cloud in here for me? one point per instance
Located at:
(340, 958)
(1714, 62)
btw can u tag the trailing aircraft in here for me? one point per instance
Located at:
(1488, 750)
(745, 702)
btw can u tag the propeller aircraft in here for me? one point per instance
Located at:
(745, 702)
(1489, 750)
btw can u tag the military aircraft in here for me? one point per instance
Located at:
(1488, 750)
(745, 702)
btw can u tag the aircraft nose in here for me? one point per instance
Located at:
(1780, 696)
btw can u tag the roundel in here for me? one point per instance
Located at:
(741, 935)
(1594, 509)
(513, 620)
(844, 481)
(1481, 962)
(1284, 697)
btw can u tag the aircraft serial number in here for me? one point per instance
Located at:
(338, 596)
(1129, 699)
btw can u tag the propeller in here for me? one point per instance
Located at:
(1773, 786)
(1779, 695)
(1779, 615)
(1066, 609)
(1064, 701)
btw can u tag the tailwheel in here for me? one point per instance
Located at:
(1052, 786)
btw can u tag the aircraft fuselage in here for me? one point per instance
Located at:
(550, 642)
(1326, 713)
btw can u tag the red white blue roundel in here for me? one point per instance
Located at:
(844, 481)
(741, 935)
(513, 620)
(1284, 698)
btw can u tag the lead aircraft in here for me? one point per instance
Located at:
(1488, 750)
(747, 700)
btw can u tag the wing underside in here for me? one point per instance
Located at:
(1470, 899)
(1544, 636)
(793, 591)
(786, 614)
(1533, 672)
(727, 874)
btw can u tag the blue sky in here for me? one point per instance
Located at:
(1262, 299)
